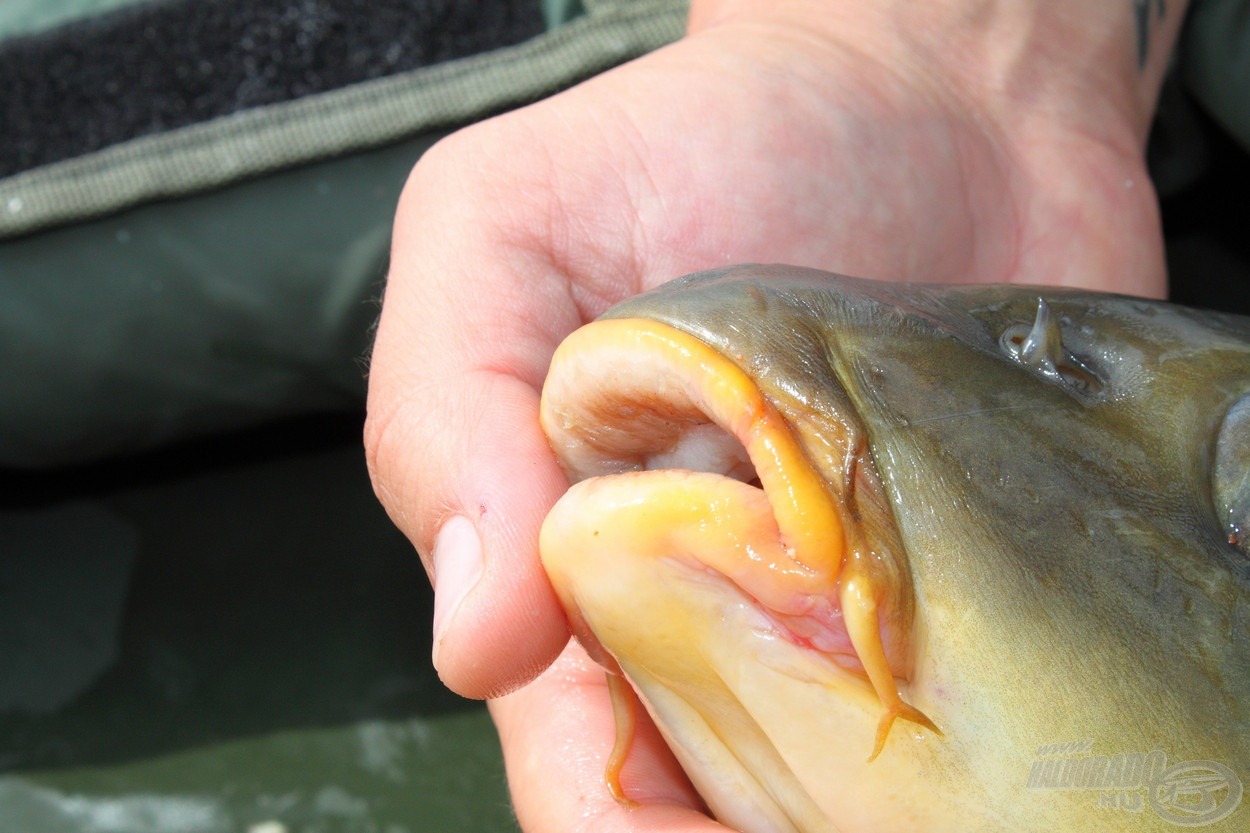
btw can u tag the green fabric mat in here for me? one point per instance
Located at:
(230, 637)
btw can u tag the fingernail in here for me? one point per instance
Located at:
(457, 568)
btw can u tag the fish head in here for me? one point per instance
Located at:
(885, 556)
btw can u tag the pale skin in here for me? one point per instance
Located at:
(953, 140)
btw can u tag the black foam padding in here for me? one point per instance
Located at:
(158, 66)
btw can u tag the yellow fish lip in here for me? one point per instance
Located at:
(664, 438)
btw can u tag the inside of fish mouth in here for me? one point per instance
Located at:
(637, 396)
(706, 447)
(639, 412)
(648, 432)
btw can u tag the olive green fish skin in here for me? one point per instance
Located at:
(1074, 579)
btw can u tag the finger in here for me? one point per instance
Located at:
(454, 448)
(557, 734)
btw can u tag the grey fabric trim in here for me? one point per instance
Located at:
(255, 142)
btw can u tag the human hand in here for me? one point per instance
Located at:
(876, 140)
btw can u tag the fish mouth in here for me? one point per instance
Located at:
(679, 458)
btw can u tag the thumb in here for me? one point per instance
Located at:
(452, 437)
(469, 478)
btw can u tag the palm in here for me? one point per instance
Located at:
(704, 155)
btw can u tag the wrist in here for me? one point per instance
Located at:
(1094, 68)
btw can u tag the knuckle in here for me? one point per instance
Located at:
(453, 168)
(393, 441)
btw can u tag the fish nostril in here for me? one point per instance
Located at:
(1040, 348)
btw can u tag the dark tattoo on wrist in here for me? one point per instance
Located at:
(1142, 13)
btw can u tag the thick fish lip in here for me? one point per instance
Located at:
(822, 559)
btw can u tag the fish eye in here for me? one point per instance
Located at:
(1230, 473)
